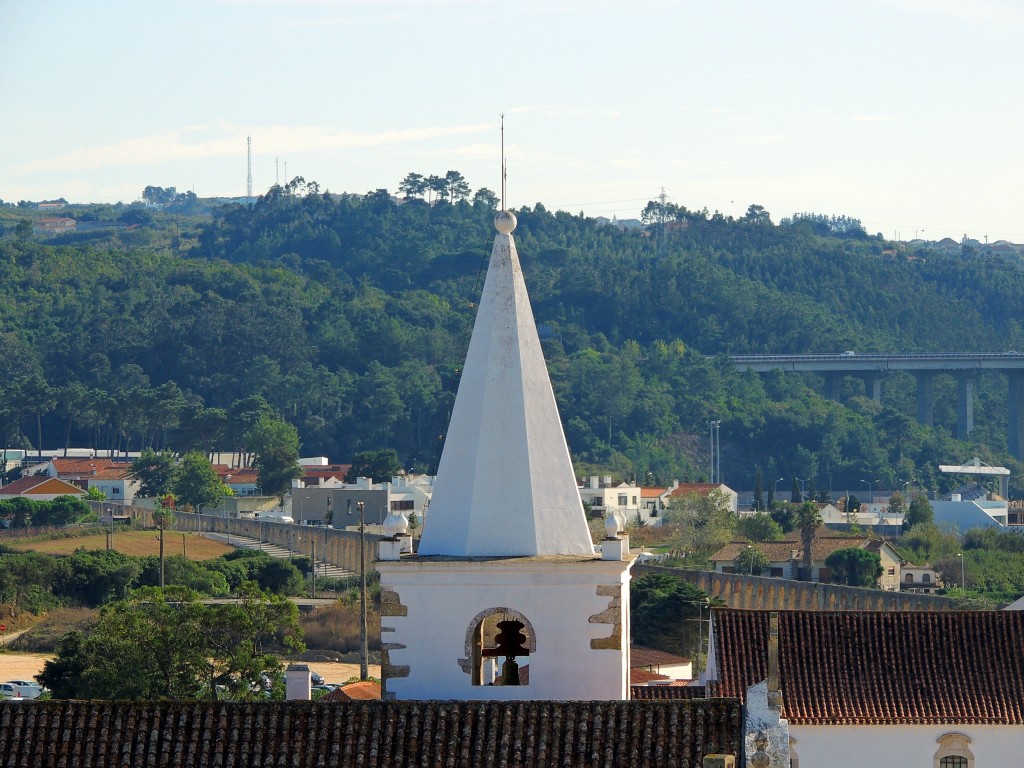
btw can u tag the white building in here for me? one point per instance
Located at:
(853, 688)
(506, 598)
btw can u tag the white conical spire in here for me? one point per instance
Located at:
(505, 485)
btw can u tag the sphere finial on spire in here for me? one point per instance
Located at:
(505, 222)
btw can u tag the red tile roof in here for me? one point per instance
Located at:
(363, 690)
(33, 484)
(640, 676)
(880, 668)
(79, 468)
(698, 488)
(640, 656)
(526, 734)
(648, 493)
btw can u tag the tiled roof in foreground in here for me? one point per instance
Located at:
(874, 668)
(528, 734)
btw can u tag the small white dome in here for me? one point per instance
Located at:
(505, 222)
(395, 524)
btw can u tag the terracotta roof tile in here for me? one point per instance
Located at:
(526, 734)
(670, 692)
(873, 668)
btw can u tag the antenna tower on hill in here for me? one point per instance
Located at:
(504, 171)
(248, 177)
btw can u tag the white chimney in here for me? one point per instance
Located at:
(298, 683)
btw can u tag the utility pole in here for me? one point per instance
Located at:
(363, 671)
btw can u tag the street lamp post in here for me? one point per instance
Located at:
(363, 671)
(963, 573)
(803, 489)
(777, 485)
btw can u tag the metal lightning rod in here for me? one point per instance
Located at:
(504, 172)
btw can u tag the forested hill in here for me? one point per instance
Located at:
(350, 316)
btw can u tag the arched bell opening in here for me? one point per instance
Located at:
(499, 642)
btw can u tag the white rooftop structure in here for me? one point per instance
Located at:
(505, 424)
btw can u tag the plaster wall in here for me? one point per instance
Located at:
(890, 745)
(442, 600)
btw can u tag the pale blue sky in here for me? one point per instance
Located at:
(904, 113)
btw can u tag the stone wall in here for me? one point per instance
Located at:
(331, 545)
(760, 592)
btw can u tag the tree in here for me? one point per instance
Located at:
(701, 523)
(413, 185)
(808, 518)
(486, 198)
(155, 472)
(854, 567)
(380, 465)
(455, 186)
(196, 483)
(897, 505)
(663, 613)
(275, 444)
(794, 495)
(920, 511)
(165, 644)
(759, 527)
(758, 491)
(751, 560)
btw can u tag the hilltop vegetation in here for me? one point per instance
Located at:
(349, 316)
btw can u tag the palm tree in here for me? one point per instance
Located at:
(808, 518)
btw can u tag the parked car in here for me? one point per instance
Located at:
(315, 678)
(20, 689)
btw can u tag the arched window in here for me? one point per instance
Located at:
(499, 642)
(909, 578)
(953, 752)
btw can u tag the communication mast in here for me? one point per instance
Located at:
(248, 177)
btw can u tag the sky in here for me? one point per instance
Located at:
(906, 114)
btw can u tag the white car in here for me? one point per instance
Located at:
(20, 689)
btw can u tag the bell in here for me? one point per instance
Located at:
(510, 638)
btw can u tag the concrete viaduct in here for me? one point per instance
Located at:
(873, 368)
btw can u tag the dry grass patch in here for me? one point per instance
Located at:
(43, 637)
(137, 543)
(336, 627)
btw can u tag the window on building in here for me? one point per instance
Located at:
(954, 752)
(402, 505)
(892, 570)
(909, 578)
(623, 500)
(634, 501)
(499, 644)
(926, 577)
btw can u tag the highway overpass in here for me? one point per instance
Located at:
(964, 367)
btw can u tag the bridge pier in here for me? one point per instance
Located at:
(925, 398)
(964, 405)
(834, 386)
(873, 387)
(1015, 401)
